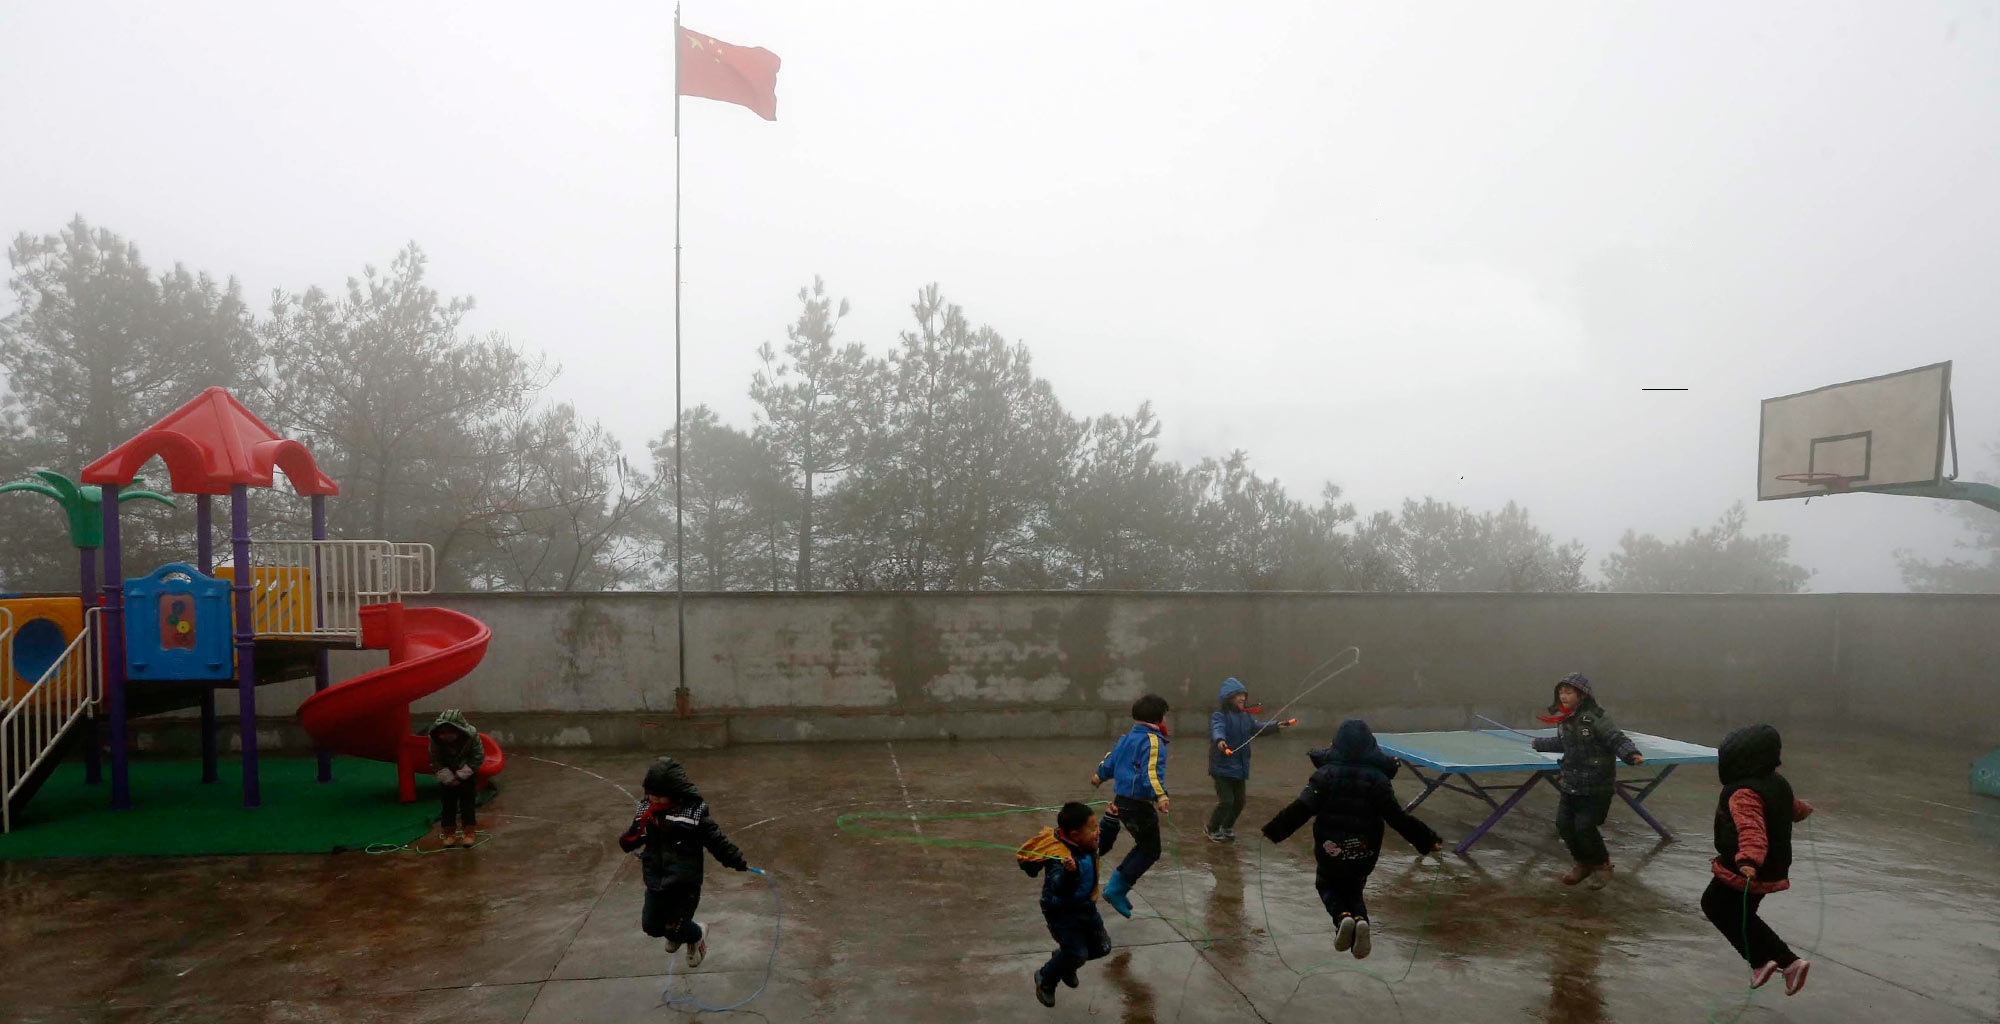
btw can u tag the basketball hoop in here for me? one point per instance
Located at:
(1830, 481)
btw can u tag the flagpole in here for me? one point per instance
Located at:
(680, 435)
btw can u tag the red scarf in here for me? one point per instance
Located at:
(1559, 717)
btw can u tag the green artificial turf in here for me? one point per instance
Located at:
(175, 815)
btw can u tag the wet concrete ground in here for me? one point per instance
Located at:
(541, 924)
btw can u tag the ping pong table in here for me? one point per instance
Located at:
(1459, 757)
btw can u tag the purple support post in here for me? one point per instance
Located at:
(93, 755)
(321, 675)
(113, 660)
(204, 548)
(246, 640)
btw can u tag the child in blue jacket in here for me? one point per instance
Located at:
(1066, 857)
(1229, 728)
(1138, 764)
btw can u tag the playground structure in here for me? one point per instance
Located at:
(1885, 435)
(72, 669)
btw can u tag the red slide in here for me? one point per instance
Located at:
(369, 715)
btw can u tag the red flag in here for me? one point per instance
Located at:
(715, 70)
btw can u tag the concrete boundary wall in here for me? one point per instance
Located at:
(591, 669)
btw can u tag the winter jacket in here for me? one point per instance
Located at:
(1590, 743)
(464, 751)
(1754, 814)
(1138, 763)
(669, 840)
(1069, 885)
(1233, 727)
(1348, 800)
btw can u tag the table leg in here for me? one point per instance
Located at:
(1499, 812)
(1430, 786)
(1637, 803)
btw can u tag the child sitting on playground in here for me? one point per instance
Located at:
(1138, 764)
(1590, 745)
(1230, 729)
(1753, 846)
(1066, 857)
(668, 835)
(456, 753)
(1348, 799)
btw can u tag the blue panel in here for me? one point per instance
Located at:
(177, 626)
(37, 645)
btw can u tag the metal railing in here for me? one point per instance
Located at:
(316, 588)
(32, 729)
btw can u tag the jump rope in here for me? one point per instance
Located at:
(1352, 657)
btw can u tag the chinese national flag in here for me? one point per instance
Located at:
(715, 70)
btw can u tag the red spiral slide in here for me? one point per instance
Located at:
(369, 715)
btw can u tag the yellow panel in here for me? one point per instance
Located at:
(280, 599)
(65, 612)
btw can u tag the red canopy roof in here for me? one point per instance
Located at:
(208, 445)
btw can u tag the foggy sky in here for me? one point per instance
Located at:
(1411, 249)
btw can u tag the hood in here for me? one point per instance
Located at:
(1230, 688)
(1748, 753)
(1354, 742)
(455, 719)
(1582, 685)
(665, 777)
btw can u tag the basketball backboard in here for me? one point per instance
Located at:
(1882, 433)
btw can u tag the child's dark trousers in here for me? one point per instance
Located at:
(1577, 819)
(1340, 891)
(461, 803)
(1080, 938)
(1142, 819)
(669, 913)
(1228, 803)
(1754, 939)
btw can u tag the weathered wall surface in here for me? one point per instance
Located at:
(599, 668)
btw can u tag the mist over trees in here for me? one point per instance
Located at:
(940, 462)
(1719, 560)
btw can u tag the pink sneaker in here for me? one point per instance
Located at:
(1760, 975)
(1795, 976)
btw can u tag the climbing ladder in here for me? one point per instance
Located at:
(34, 728)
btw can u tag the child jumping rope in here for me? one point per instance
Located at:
(1138, 765)
(1590, 745)
(668, 835)
(1066, 857)
(1753, 852)
(1348, 799)
(1229, 732)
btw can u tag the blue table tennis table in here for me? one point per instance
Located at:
(1459, 757)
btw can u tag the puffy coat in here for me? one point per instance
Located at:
(1138, 763)
(669, 841)
(1590, 743)
(455, 743)
(1234, 728)
(1348, 800)
(1754, 814)
(1067, 886)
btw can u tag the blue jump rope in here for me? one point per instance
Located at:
(777, 929)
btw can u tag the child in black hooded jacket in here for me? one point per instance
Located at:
(1348, 800)
(1753, 852)
(668, 835)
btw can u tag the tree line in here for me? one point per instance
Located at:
(943, 462)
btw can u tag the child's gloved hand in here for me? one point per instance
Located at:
(464, 773)
(444, 776)
(1162, 804)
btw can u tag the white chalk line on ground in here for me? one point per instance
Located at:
(904, 786)
(592, 774)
